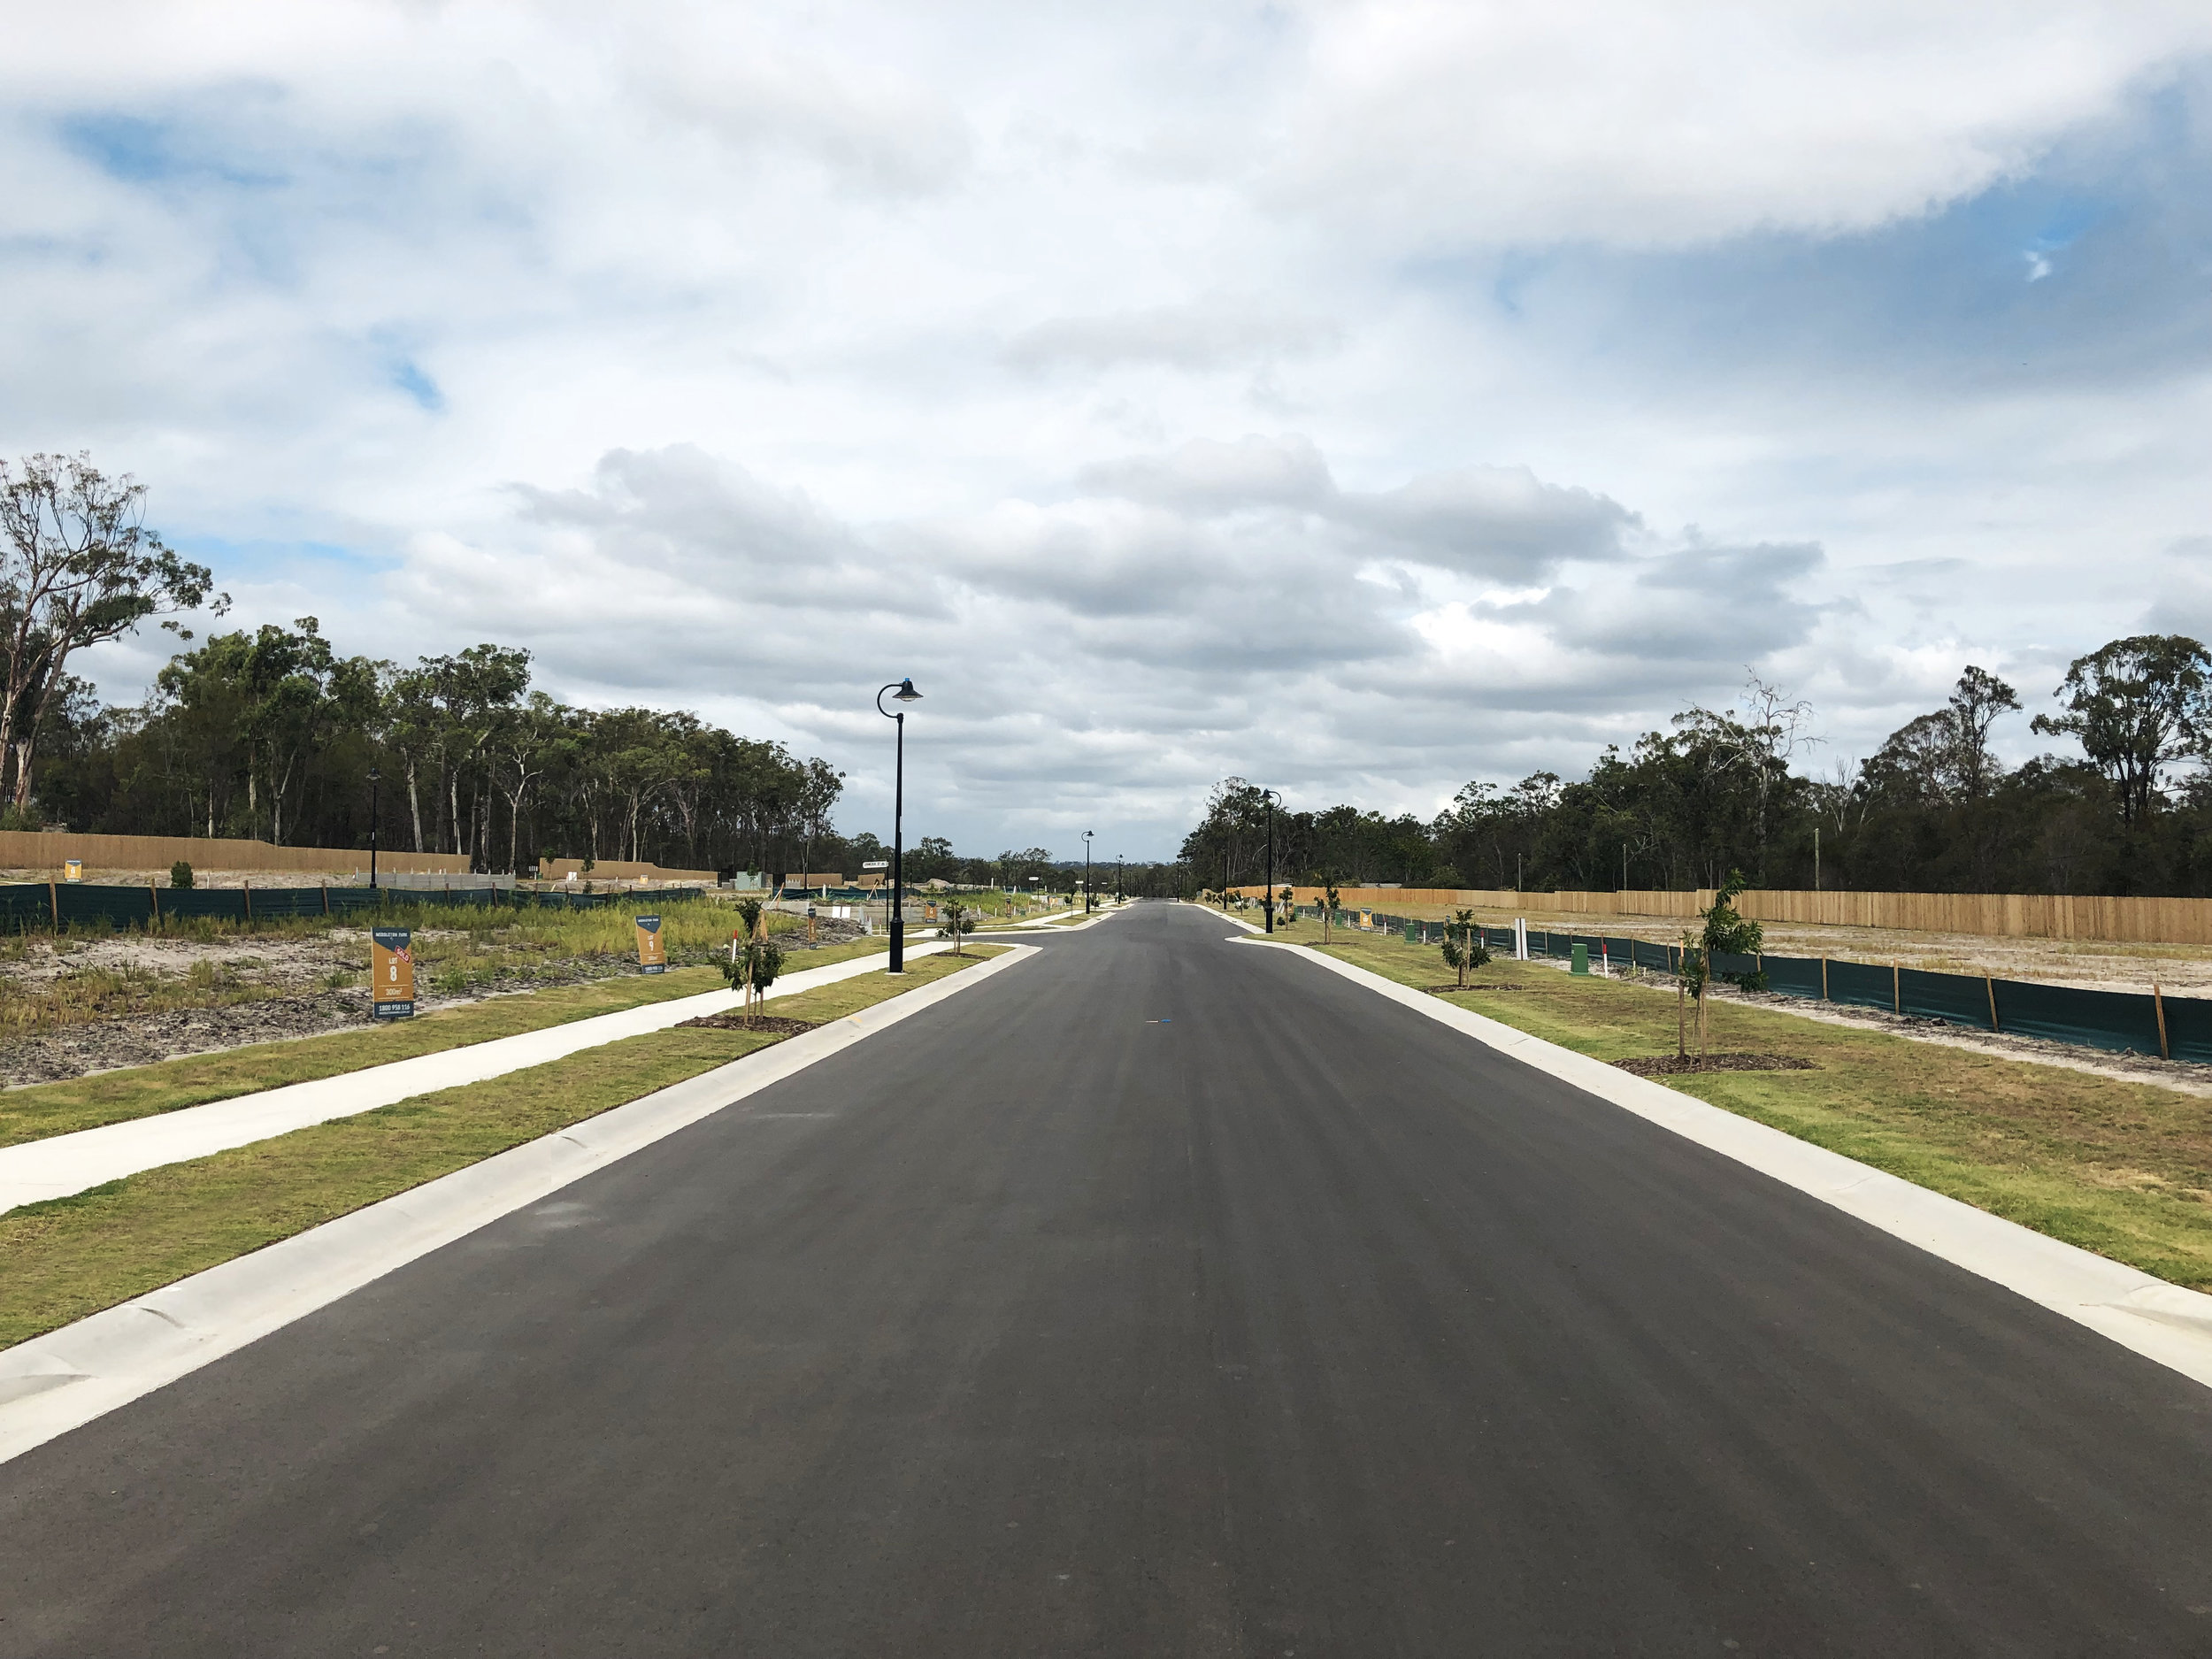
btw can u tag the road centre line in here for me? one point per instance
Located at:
(56, 1382)
(2159, 1321)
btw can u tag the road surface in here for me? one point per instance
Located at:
(1160, 1297)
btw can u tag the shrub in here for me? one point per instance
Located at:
(180, 874)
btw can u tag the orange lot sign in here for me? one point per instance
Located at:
(392, 971)
(652, 955)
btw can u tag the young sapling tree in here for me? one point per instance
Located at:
(959, 922)
(755, 958)
(1726, 933)
(1462, 946)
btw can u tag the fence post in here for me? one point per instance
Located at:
(326, 898)
(1991, 986)
(1896, 988)
(153, 901)
(2158, 1002)
(248, 887)
(1823, 981)
(53, 898)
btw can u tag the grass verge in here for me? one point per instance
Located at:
(68, 1258)
(108, 1097)
(2123, 1168)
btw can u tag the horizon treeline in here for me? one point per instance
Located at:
(1932, 810)
(272, 735)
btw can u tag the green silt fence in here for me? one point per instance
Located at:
(30, 907)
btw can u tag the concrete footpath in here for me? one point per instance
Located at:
(64, 1165)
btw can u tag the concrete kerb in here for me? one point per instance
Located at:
(62, 1165)
(56, 1382)
(1056, 924)
(1216, 914)
(2159, 1321)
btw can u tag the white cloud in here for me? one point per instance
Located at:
(1444, 122)
(1213, 332)
(1187, 388)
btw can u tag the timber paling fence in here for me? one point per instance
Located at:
(2138, 920)
(2119, 1022)
(29, 907)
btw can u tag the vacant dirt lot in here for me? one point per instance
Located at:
(94, 1001)
(2099, 964)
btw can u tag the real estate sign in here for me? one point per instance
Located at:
(392, 971)
(652, 955)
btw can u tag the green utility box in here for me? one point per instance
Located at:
(1581, 963)
(1413, 933)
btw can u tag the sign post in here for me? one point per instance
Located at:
(652, 955)
(877, 864)
(392, 971)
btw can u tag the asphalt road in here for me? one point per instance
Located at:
(1158, 1297)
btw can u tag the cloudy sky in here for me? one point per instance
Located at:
(1360, 397)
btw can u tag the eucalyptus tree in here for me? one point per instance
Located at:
(2136, 706)
(78, 567)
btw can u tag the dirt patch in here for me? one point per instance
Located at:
(104, 1044)
(749, 1022)
(287, 963)
(2090, 964)
(1449, 990)
(1679, 1064)
(142, 1038)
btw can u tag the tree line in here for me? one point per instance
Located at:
(272, 734)
(1933, 809)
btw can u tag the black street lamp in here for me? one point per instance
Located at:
(373, 776)
(1087, 872)
(1118, 896)
(902, 691)
(1272, 799)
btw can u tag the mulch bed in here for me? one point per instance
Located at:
(749, 1022)
(1446, 990)
(1674, 1066)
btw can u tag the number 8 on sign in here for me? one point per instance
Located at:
(392, 971)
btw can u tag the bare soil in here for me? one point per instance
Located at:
(1680, 1064)
(749, 1022)
(2096, 965)
(104, 1044)
(105, 878)
(270, 989)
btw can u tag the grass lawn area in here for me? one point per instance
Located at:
(68, 1258)
(108, 1097)
(2121, 1168)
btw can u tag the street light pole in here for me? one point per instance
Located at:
(1117, 892)
(1087, 872)
(374, 775)
(902, 691)
(1272, 798)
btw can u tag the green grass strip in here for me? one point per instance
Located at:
(68, 1258)
(110, 1097)
(2121, 1168)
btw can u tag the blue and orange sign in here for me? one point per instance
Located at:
(652, 955)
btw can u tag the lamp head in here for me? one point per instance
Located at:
(906, 693)
(374, 774)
